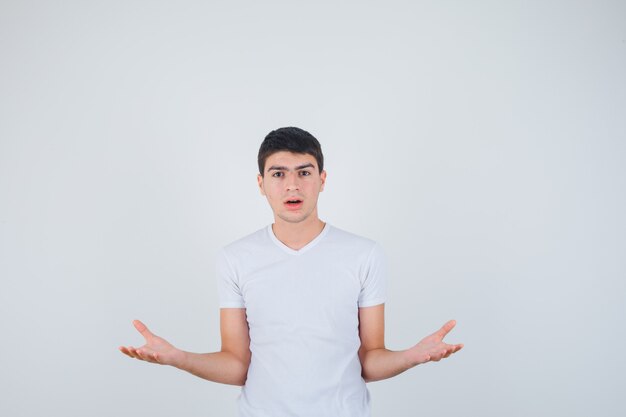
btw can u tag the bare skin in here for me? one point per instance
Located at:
(288, 176)
(378, 362)
(432, 347)
(225, 367)
(293, 175)
(228, 366)
(155, 350)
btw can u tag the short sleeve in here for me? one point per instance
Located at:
(230, 295)
(374, 279)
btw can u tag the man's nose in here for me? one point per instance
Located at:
(293, 181)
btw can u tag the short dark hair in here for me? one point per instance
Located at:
(291, 139)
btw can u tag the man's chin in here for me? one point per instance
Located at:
(294, 217)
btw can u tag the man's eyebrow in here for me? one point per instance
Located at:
(283, 168)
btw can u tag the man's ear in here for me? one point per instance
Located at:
(259, 179)
(323, 178)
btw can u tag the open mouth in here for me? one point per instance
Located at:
(293, 203)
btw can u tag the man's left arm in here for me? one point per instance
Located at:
(379, 363)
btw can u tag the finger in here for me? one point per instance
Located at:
(147, 355)
(445, 329)
(437, 355)
(142, 328)
(450, 351)
(151, 357)
(133, 352)
(453, 349)
(143, 355)
(125, 351)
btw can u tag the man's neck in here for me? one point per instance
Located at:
(297, 235)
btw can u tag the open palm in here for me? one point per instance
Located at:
(156, 349)
(433, 348)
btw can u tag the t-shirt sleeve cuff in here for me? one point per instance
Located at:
(372, 302)
(232, 304)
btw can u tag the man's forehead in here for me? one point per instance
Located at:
(290, 160)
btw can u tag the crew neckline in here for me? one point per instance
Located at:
(303, 249)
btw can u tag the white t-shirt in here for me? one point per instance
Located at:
(302, 311)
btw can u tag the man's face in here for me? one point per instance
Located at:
(292, 176)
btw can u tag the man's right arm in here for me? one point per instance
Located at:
(229, 366)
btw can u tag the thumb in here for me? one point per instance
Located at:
(141, 328)
(445, 329)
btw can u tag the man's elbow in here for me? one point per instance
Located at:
(368, 359)
(240, 374)
(244, 361)
(242, 377)
(362, 355)
(239, 365)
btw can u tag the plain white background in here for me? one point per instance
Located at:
(481, 143)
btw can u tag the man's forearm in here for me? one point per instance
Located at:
(222, 367)
(380, 364)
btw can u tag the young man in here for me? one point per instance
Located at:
(301, 304)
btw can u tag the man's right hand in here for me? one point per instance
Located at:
(156, 349)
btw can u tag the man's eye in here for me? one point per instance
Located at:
(305, 172)
(276, 174)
